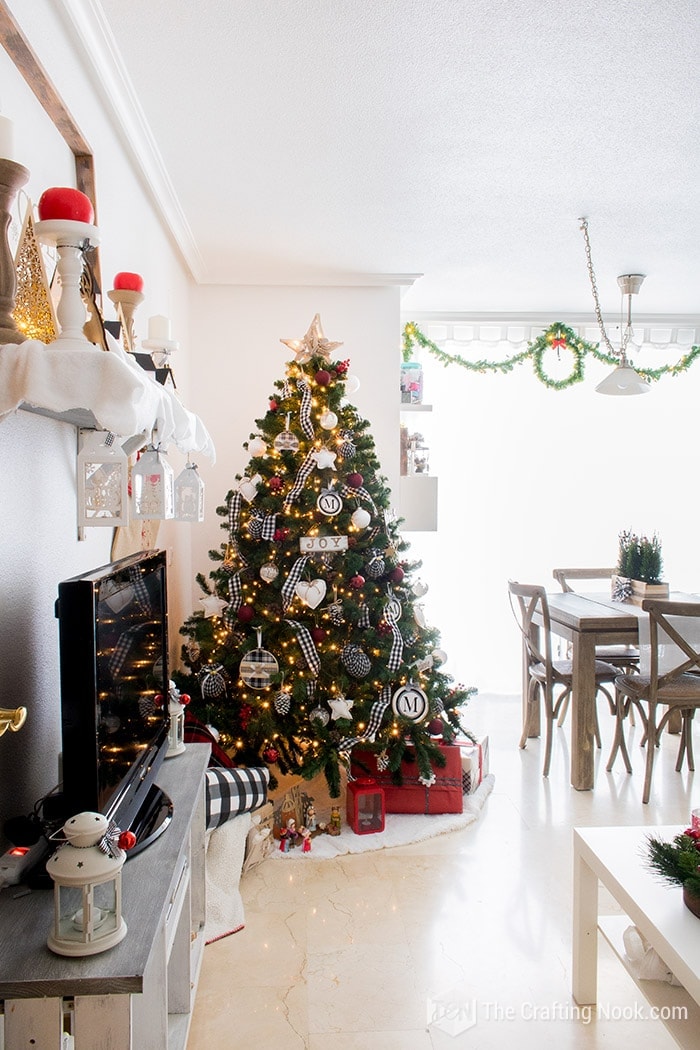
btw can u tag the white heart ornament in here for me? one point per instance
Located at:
(248, 487)
(313, 593)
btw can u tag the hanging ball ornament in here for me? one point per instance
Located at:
(275, 483)
(257, 447)
(439, 657)
(281, 534)
(355, 661)
(318, 634)
(323, 377)
(286, 441)
(245, 613)
(269, 572)
(271, 754)
(361, 518)
(357, 582)
(328, 420)
(319, 714)
(352, 384)
(397, 574)
(273, 405)
(212, 681)
(376, 564)
(355, 480)
(436, 726)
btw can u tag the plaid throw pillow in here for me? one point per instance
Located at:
(234, 791)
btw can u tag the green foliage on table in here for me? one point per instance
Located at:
(640, 557)
(677, 861)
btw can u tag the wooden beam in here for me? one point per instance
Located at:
(20, 51)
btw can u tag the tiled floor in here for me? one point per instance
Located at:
(384, 950)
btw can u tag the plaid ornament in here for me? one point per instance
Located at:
(355, 661)
(347, 448)
(257, 667)
(376, 565)
(212, 681)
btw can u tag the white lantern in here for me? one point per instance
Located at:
(153, 486)
(86, 872)
(103, 468)
(177, 702)
(189, 494)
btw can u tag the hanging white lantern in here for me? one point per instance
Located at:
(189, 494)
(153, 486)
(103, 468)
(87, 876)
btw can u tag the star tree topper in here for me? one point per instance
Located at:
(314, 344)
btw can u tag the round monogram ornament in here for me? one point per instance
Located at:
(355, 661)
(409, 701)
(329, 502)
(393, 609)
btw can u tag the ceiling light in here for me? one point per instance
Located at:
(624, 380)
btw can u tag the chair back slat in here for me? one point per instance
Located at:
(528, 602)
(674, 637)
(563, 576)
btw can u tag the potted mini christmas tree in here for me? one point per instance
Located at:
(639, 568)
(312, 638)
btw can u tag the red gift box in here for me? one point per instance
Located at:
(445, 795)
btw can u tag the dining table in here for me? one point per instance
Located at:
(588, 620)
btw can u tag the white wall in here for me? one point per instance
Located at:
(239, 332)
(531, 479)
(38, 534)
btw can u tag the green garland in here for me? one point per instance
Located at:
(557, 337)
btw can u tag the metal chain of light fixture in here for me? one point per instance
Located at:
(596, 300)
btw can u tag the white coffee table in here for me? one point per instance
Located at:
(617, 858)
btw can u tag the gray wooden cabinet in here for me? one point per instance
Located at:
(139, 994)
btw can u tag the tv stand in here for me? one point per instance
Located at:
(139, 994)
(151, 820)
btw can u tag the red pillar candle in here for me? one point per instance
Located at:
(128, 282)
(63, 202)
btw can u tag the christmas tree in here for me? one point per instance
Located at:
(311, 638)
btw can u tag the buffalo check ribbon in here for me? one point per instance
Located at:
(289, 587)
(302, 474)
(396, 654)
(375, 720)
(306, 644)
(305, 409)
(358, 493)
(235, 597)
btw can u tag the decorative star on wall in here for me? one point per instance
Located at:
(325, 459)
(314, 344)
(340, 707)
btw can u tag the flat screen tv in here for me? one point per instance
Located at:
(113, 648)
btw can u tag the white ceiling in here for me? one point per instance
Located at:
(320, 140)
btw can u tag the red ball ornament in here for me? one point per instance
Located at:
(322, 377)
(275, 483)
(318, 634)
(397, 574)
(355, 480)
(158, 699)
(281, 534)
(246, 613)
(127, 840)
(273, 405)
(185, 699)
(436, 726)
(63, 202)
(271, 754)
(357, 582)
(128, 282)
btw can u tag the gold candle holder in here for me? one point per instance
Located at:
(12, 719)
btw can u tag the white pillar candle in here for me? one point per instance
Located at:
(7, 138)
(158, 329)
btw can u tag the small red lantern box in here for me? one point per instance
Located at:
(365, 807)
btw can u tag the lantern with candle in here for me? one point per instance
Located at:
(189, 494)
(177, 702)
(365, 806)
(65, 222)
(103, 469)
(159, 342)
(86, 872)
(152, 486)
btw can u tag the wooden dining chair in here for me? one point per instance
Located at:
(673, 683)
(547, 678)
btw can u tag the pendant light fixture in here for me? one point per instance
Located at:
(624, 380)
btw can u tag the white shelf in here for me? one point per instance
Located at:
(406, 407)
